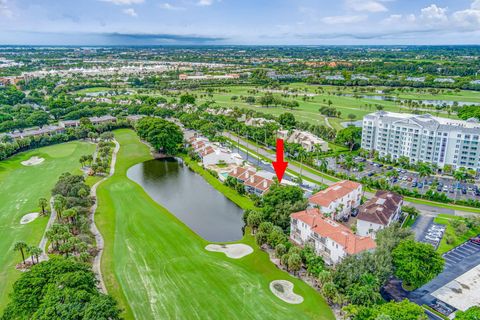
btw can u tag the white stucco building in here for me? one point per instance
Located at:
(379, 212)
(339, 199)
(330, 239)
(423, 138)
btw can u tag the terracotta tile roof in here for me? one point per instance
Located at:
(208, 150)
(253, 181)
(336, 191)
(335, 231)
(380, 208)
(246, 175)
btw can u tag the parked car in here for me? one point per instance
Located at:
(475, 240)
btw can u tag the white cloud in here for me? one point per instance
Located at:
(168, 6)
(205, 3)
(433, 15)
(468, 18)
(366, 5)
(343, 19)
(5, 10)
(130, 11)
(124, 2)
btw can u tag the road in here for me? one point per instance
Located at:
(429, 210)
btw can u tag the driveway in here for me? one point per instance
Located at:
(421, 225)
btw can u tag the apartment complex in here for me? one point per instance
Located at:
(379, 212)
(423, 138)
(307, 140)
(331, 240)
(339, 199)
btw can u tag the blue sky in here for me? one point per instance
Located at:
(276, 22)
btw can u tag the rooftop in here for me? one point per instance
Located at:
(327, 228)
(336, 191)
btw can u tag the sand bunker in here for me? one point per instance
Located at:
(29, 217)
(284, 290)
(234, 251)
(33, 161)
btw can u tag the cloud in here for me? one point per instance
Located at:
(205, 3)
(124, 2)
(344, 19)
(468, 18)
(5, 9)
(168, 6)
(130, 11)
(159, 38)
(366, 5)
(434, 15)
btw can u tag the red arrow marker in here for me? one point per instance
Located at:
(280, 166)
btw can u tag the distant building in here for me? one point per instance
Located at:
(102, 119)
(213, 154)
(49, 130)
(424, 138)
(254, 182)
(209, 77)
(135, 117)
(258, 122)
(330, 239)
(339, 199)
(308, 141)
(379, 212)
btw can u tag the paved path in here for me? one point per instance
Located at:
(96, 266)
(43, 242)
(327, 122)
(429, 210)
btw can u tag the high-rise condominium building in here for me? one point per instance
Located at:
(423, 138)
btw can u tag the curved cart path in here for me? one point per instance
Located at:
(96, 266)
(43, 242)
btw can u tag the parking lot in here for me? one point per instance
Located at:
(460, 253)
(433, 234)
(458, 261)
(408, 179)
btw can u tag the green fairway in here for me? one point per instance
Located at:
(158, 268)
(308, 111)
(21, 187)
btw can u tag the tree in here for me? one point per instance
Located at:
(472, 313)
(416, 263)
(404, 310)
(42, 203)
(187, 99)
(35, 252)
(287, 120)
(350, 137)
(294, 263)
(352, 117)
(21, 246)
(253, 220)
(59, 289)
(163, 135)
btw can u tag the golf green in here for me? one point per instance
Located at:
(20, 188)
(158, 268)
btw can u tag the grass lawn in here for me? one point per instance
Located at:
(93, 90)
(158, 268)
(308, 110)
(21, 187)
(446, 219)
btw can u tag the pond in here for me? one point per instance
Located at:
(190, 198)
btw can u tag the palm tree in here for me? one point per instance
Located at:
(59, 204)
(34, 252)
(42, 203)
(21, 246)
(424, 171)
